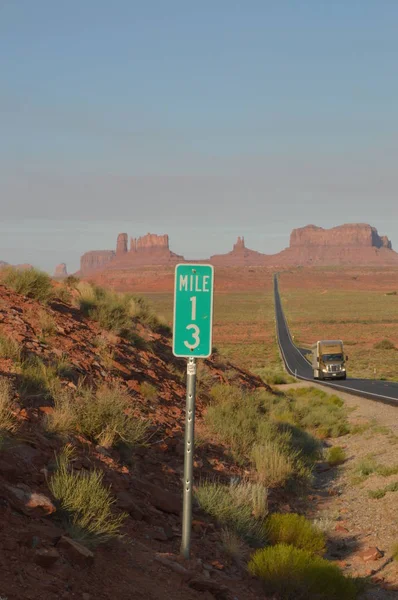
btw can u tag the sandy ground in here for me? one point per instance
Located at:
(355, 521)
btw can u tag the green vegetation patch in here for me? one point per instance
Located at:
(276, 432)
(274, 376)
(10, 348)
(336, 456)
(29, 282)
(296, 531)
(384, 345)
(370, 466)
(37, 379)
(118, 312)
(240, 507)
(8, 421)
(295, 574)
(86, 502)
(317, 411)
(381, 492)
(103, 415)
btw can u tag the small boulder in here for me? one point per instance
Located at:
(29, 503)
(46, 557)
(75, 552)
(160, 498)
(369, 554)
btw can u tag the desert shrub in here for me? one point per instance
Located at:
(252, 494)
(366, 466)
(276, 377)
(232, 545)
(105, 352)
(63, 294)
(86, 502)
(336, 455)
(64, 417)
(37, 379)
(204, 377)
(72, 281)
(148, 390)
(8, 420)
(47, 323)
(103, 416)
(381, 492)
(87, 296)
(318, 412)
(395, 552)
(385, 471)
(273, 464)
(117, 312)
(235, 421)
(256, 426)
(111, 314)
(10, 348)
(234, 506)
(295, 574)
(64, 368)
(109, 309)
(142, 310)
(29, 282)
(296, 531)
(384, 345)
(298, 440)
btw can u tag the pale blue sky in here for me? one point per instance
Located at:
(205, 120)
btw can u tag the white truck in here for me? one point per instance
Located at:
(328, 360)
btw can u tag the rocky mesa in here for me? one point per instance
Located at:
(356, 244)
(150, 249)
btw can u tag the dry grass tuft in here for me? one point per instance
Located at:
(8, 420)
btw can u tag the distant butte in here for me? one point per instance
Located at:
(349, 245)
(61, 271)
(148, 250)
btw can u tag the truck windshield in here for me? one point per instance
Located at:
(327, 357)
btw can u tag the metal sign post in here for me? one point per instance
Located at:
(192, 338)
(189, 448)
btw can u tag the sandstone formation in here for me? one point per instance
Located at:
(95, 259)
(22, 267)
(344, 236)
(121, 245)
(150, 249)
(351, 244)
(60, 271)
(151, 242)
(239, 256)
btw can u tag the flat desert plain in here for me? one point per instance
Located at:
(359, 306)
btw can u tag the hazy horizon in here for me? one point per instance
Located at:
(201, 121)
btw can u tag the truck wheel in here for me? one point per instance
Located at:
(344, 377)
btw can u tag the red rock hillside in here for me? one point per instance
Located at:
(38, 560)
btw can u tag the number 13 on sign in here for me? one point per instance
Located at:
(193, 310)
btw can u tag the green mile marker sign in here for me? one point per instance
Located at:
(193, 310)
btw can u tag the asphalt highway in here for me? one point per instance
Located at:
(298, 366)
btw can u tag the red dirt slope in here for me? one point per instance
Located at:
(35, 563)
